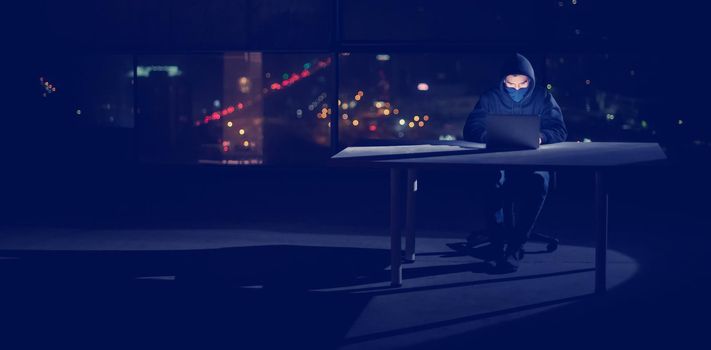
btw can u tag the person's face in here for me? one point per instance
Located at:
(516, 81)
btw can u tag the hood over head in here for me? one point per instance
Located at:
(518, 64)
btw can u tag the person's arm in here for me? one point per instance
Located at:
(553, 128)
(475, 126)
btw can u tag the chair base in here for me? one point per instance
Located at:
(551, 242)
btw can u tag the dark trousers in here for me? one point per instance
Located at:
(513, 201)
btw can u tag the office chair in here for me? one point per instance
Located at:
(551, 242)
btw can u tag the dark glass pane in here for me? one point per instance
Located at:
(78, 109)
(88, 90)
(604, 97)
(234, 108)
(413, 96)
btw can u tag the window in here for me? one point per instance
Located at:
(413, 96)
(234, 108)
(87, 90)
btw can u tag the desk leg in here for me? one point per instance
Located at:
(397, 185)
(410, 215)
(601, 203)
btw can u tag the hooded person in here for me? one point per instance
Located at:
(515, 94)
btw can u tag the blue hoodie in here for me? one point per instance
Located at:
(536, 101)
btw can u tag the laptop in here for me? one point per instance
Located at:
(512, 132)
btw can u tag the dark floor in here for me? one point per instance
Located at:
(212, 258)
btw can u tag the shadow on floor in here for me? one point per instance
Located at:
(219, 297)
(261, 296)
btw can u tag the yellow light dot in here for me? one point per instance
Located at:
(379, 104)
(245, 143)
(241, 131)
(344, 105)
(421, 124)
(229, 124)
(426, 117)
(416, 118)
(402, 121)
(411, 124)
(355, 122)
(386, 112)
(357, 97)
